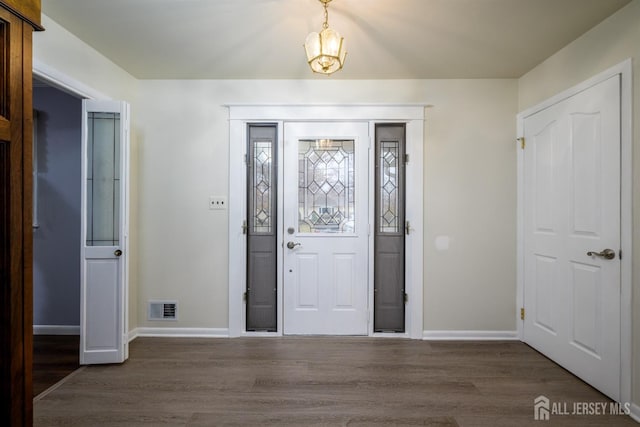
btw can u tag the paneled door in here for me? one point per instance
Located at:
(326, 230)
(103, 290)
(572, 234)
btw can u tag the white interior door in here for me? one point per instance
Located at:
(572, 220)
(326, 228)
(105, 219)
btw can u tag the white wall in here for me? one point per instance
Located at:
(56, 243)
(179, 159)
(61, 56)
(612, 41)
(469, 191)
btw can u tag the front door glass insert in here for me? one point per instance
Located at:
(326, 186)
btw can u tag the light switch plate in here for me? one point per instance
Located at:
(217, 203)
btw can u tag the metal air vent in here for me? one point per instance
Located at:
(163, 310)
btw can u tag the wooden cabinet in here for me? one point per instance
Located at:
(18, 19)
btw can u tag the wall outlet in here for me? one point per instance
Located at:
(217, 203)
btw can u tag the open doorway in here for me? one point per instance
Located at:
(56, 236)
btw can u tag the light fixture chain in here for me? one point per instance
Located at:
(326, 16)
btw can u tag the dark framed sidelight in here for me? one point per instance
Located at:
(261, 227)
(390, 222)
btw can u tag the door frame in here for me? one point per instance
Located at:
(240, 115)
(79, 89)
(624, 69)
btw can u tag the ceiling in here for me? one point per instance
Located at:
(386, 39)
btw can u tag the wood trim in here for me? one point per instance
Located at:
(27, 10)
(56, 329)
(15, 225)
(179, 332)
(27, 218)
(5, 129)
(5, 294)
(13, 305)
(470, 335)
(635, 412)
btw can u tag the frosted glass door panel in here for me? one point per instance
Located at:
(326, 186)
(103, 179)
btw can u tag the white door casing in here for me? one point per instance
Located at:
(325, 273)
(571, 201)
(104, 233)
(241, 115)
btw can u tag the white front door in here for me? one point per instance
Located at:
(572, 234)
(326, 230)
(105, 172)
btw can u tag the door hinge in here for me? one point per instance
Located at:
(244, 227)
(522, 142)
(407, 228)
(406, 159)
(522, 313)
(246, 159)
(406, 297)
(245, 297)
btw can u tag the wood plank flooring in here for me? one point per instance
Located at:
(318, 381)
(54, 357)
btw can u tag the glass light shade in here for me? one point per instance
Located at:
(326, 51)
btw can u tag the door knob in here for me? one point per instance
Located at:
(606, 254)
(117, 252)
(292, 245)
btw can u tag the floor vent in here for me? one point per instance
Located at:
(163, 310)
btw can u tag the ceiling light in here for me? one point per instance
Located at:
(326, 51)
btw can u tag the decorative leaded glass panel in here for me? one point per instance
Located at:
(389, 153)
(262, 184)
(326, 186)
(103, 179)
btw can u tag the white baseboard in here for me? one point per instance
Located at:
(470, 335)
(179, 332)
(635, 412)
(56, 329)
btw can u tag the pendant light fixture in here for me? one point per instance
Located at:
(326, 50)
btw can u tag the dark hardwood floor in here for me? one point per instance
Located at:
(319, 381)
(54, 357)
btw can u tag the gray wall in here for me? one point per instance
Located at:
(56, 243)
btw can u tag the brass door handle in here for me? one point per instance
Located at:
(117, 252)
(292, 245)
(606, 254)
